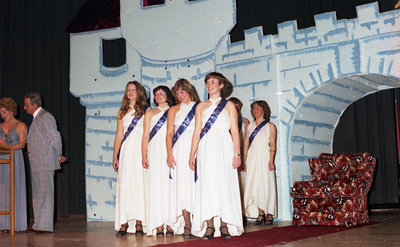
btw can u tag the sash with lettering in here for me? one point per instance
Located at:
(158, 125)
(211, 120)
(185, 123)
(132, 125)
(256, 130)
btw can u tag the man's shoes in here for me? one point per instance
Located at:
(30, 230)
(42, 232)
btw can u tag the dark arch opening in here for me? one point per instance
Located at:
(369, 124)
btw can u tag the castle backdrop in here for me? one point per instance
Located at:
(309, 76)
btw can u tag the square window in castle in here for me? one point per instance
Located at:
(114, 52)
(152, 2)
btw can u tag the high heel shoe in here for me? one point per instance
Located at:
(225, 235)
(269, 220)
(122, 232)
(139, 232)
(187, 235)
(169, 233)
(211, 235)
(258, 222)
(160, 234)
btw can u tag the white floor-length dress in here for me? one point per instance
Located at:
(182, 182)
(217, 188)
(131, 178)
(260, 183)
(158, 192)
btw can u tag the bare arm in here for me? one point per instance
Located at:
(272, 146)
(21, 129)
(145, 138)
(170, 134)
(117, 142)
(233, 118)
(245, 146)
(196, 136)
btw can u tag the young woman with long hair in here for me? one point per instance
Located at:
(127, 162)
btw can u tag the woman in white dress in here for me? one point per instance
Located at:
(154, 159)
(130, 197)
(180, 127)
(217, 194)
(259, 152)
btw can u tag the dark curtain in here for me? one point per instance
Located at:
(369, 124)
(268, 13)
(34, 56)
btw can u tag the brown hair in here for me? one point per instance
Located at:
(228, 87)
(185, 85)
(263, 104)
(141, 101)
(167, 91)
(9, 104)
(236, 101)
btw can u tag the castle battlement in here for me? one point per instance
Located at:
(327, 30)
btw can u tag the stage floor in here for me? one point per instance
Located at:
(76, 232)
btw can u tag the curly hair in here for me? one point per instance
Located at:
(263, 104)
(141, 101)
(9, 104)
(170, 98)
(227, 88)
(185, 85)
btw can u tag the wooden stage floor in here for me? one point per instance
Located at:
(76, 232)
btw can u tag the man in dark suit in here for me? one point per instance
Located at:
(44, 151)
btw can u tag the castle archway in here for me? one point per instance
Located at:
(316, 117)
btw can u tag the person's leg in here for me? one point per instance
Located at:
(122, 230)
(43, 200)
(139, 228)
(187, 232)
(209, 234)
(260, 218)
(224, 230)
(160, 231)
(169, 232)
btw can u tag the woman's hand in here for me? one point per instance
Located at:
(236, 162)
(115, 164)
(244, 167)
(171, 161)
(145, 163)
(192, 162)
(271, 165)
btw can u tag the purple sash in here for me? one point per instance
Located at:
(132, 125)
(158, 125)
(211, 120)
(256, 130)
(185, 123)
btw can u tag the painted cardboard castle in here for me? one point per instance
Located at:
(309, 76)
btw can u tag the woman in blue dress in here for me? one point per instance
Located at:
(13, 134)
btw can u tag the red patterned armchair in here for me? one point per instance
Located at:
(337, 194)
